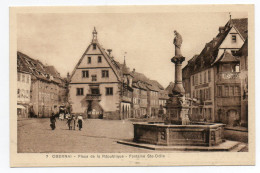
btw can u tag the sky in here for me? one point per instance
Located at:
(60, 39)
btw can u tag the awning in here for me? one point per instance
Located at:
(20, 107)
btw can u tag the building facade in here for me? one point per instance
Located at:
(23, 93)
(47, 90)
(213, 77)
(243, 56)
(99, 86)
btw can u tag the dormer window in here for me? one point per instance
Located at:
(99, 59)
(89, 60)
(234, 38)
(105, 74)
(94, 46)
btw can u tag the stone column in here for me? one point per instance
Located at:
(178, 86)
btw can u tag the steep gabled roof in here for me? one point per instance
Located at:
(52, 71)
(112, 63)
(242, 26)
(146, 82)
(243, 50)
(37, 69)
(21, 64)
(209, 54)
(139, 77)
(79, 62)
(156, 83)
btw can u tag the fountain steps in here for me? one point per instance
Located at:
(232, 146)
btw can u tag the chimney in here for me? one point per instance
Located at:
(109, 51)
(68, 75)
(134, 70)
(221, 29)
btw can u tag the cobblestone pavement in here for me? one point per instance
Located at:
(36, 136)
(97, 136)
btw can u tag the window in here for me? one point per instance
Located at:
(109, 91)
(237, 69)
(209, 77)
(18, 77)
(79, 91)
(226, 91)
(210, 118)
(237, 91)
(27, 93)
(234, 38)
(85, 74)
(94, 46)
(94, 77)
(200, 94)
(196, 79)
(205, 77)
(99, 59)
(200, 78)
(193, 81)
(23, 78)
(18, 93)
(231, 90)
(105, 73)
(89, 60)
(28, 79)
(219, 91)
(94, 90)
(194, 94)
(209, 93)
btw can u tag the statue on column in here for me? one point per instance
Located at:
(177, 42)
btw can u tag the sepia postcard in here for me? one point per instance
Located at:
(132, 85)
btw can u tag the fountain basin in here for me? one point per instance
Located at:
(198, 134)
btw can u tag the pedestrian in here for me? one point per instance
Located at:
(80, 121)
(67, 115)
(73, 122)
(52, 120)
(61, 116)
(69, 122)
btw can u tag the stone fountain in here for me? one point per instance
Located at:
(177, 129)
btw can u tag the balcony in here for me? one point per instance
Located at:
(93, 97)
(229, 77)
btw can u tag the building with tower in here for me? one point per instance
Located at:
(99, 86)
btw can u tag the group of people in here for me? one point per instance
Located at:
(72, 121)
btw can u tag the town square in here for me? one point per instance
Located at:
(160, 94)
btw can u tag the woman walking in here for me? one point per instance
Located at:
(80, 121)
(73, 122)
(69, 119)
(52, 120)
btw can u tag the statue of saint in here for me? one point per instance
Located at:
(177, 42)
